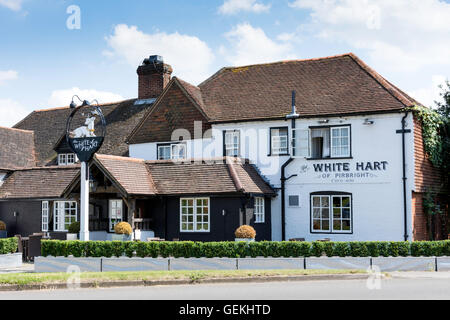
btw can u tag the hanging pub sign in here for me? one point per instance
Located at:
(81, 133)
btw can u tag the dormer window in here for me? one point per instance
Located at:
(65, 159)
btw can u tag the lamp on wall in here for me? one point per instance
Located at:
(324, 121)
(368, 122)
(92, 183)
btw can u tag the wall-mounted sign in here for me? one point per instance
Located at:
(85, 140)
(345, 172)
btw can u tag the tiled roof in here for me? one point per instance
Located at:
(38, 183)
(16, 149)
(139, 177)
(336, 85)
(131, 174)
(50, 125)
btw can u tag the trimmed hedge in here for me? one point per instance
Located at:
(8, 245)
(189, 249)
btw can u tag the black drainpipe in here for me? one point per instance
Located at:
(405, 211)
(283, 178)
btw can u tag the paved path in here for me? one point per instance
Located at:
(419, 286)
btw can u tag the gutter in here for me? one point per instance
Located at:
(283, 178)
(404, 178)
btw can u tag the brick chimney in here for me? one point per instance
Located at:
(154, 75)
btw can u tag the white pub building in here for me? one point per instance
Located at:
(305, 149)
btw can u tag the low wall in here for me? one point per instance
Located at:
(12, 260)
(60, 264)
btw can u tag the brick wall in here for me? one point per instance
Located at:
(174, 111)
(153, 80)
(427, 177)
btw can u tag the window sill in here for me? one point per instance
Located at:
(324, 159)
(279, 155)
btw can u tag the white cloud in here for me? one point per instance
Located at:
(235, 6)
(251, 45)
(429, 95)
(190, 57)
(14, 5)
(405, 34)
(11, 112)
(7, 75)
(61, 98)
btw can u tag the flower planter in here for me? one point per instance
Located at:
(340, 263)
(72, 236)
(271, 263)
(244, 239)
(135, 264)
(3, 234)
(203, 264)
(60, 264)
(120, 237)
(11, 260)
(404, 263)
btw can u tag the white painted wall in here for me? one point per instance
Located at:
(2, 177)
(377, 199)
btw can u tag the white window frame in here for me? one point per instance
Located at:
(260, 215)
(63, 159)
(113, 217)
(277, 140)
(331, 213)
(195, 215)
(234, 148)
(333, 154)
(45, 215)
(60, 215)
(171, 147)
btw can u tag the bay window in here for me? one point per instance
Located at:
(331, 213)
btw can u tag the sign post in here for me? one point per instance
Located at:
(85, 143)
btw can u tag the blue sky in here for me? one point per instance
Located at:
(43, 62)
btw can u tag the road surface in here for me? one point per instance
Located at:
(409, 287)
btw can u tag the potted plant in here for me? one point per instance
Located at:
(3, 233)
(74, 230)
(245, 233)
(122, 231)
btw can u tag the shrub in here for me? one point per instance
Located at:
(123, 228)
(8, 245)
(232, 249)
(2, 226)
(74, 227)
(245, 232)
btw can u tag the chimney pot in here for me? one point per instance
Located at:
(154, 75)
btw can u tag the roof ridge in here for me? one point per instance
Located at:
(109, 156)
(15, 129)
(220, 71)
(68, 107)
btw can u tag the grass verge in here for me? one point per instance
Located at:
(193, 276)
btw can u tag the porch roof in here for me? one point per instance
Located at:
(213, 176)
(38, 183)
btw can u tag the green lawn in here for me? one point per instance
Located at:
(37, 278)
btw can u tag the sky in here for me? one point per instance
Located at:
(53, 49)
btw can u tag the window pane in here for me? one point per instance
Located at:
(325, 213)
(316, 213)
(346, 213)
(325, 202)
(325, 225)
(316, 201)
